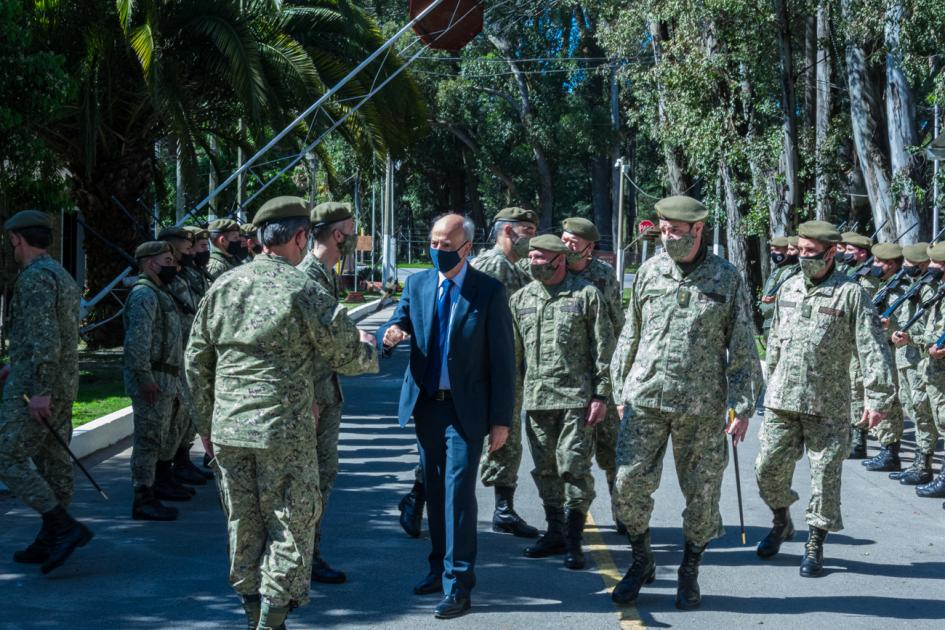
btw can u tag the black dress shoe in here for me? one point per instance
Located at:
(322, 572)
(432, 583)
(453, 605)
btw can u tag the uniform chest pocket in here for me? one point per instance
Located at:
(709, 303)
(526, 318)
(568, 317)
(823, 324)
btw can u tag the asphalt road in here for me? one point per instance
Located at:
(885, 570)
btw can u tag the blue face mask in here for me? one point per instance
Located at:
(443, 260)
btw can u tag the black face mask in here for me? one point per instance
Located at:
(913, 271)
(843, 259)
(876, 272)
(790, 260)
(257, 248)
(167, 273)
(202, 258)
(934, 274)
(186, 260)
(235, 249)
(778, 258)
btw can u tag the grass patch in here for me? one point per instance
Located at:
(417, 265)
(101, 392)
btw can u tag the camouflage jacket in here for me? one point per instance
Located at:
(197, 279)
(154, 344)
(907, 355)
(778, 275)
(219, 263)
(688, 345)
(186, 301)
(494, 263)
(44, 333)
(563, 343)
(817, 329)
(603, 276)
(261, 332)
(327, 386)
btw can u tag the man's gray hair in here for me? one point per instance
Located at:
(279, 231)
(497, 228)
(469, 226)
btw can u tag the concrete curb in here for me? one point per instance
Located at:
(360, 312)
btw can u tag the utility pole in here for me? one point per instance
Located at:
(935, 179)
(620, 166)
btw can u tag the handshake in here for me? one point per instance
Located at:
(393, 336)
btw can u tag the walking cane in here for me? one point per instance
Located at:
(738, 477)
(63, 444)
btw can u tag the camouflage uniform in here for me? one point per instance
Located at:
(871, 284)
(198, 283)
(604, 277)
(563, 340)
(501, 467)
(686, 352)
(181, 429)
(817, 329)
(260, 334)
(775, 278)
(932, 374)
(44, 360)
(153, 353)
(219, 263)
(329, 397)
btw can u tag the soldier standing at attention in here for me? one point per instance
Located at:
(580, 236)
(335, 238)
(260, 334)
(688, 308)
(153, 359)
(563, 340)
(253, 247)
(201, 257)
(44, 368)
(227, 247)
(820, 322)
(785, 266)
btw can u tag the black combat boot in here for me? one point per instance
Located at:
(687, 590)
(505, 519)
(782, 529)
(185, 472)
(322, 572)
(411, 510)
(38, 550)
(572, 541)
(552, 541)
(642, 571)
(67, 535)
(272, 617)
(813, 563)
(252, 605)
(918, 473)
(934, 489)
(147, 507)
(166, 488)
(857, 443)
(887, 460)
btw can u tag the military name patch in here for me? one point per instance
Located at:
(570, 308)
(833, 312)
(787, 304)
(716, 297)
(527, 311)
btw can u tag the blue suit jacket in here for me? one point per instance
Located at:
(481, 359)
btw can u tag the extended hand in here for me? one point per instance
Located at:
(497, 437)
(596, 412)
(873, 417)
(900, 338)
(40, 408)
(393, 336)
(149, 392)
(936, 352)
(367, 337)
(316, 412)
(768, 299)
(208, 447)
(885, 322)
(738, 429)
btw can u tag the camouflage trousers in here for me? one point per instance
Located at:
(700, 452)
(783, 437)
(329, 426)
(934, 380)
(32, 463)
(890, 429)
(920, 410)
(181, 429)
(605, 443)
(152, 435)
(562, 447)
(501, 467)
(272, 505)
(856, 393)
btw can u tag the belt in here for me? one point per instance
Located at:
(442, 394)
(157, 366)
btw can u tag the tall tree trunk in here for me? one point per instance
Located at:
(865, 120)
(810, 70)
(737, 253)
(791, 191)
(473, 199)
(679, 182)
(824, 103)
(763, 180)
(901, 126)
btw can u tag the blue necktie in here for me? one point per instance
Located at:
(439, 336)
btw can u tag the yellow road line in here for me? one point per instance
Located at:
(629, 615)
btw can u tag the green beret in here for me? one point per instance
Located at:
(175, 232)
(916, 253)
(27, 219)
(778, 241)
(792, 241)
(517, 214)
(151, 248)
(681, 208)
(819, 231)
(223, 225)
(548, 243)
(886, 251)
(197, 232)
(857, 240)
(247, 229)
(581, 227)
(281, 208)
(936, 251)
(330, 212)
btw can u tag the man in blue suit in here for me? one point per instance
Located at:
(459, 387)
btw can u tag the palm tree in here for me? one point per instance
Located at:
(150, 69)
